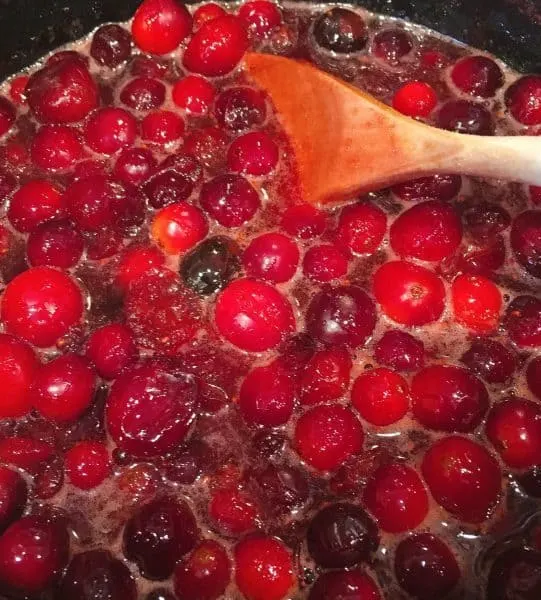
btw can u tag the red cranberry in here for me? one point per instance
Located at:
(341, 315)
(338, 585)
(514, 428)
(526, 241)
(230, 199)
(207, 12)
(233, 511)
(523, 100)
(483, 259)
(204, 574)
(136, 262)
(415, 99)
(110, 129)
(485, 219)
(159, 535)
(326, 376)
(56, 244)
(463, 478)
(17, 89)
(477, 303)
(63, 388)
(178, 227)
(7, 184)
(425, 567)
(477, 76)
(463, 116)
(97, 573)
(112, 349)
(253, 153)
(340, 30)
(361, 228)
(341, 535)
(68, 55)
(239, 108)
(150, 412)
(260, 17)
(33, 552)
(62, 92)
(55, 148)
(324, 263)
(207, 145)
(167, 187)
(25, 453)
(159, 26)
(515, 574)
(533, 376)
(271, 256)
(436, 187)
(162, 127)
(34, 203)
(216, 47)
(13, 497)
(111, 45)
(134, 165)
(7, 115)
(87, 464)
(490, 360)
(40, 305)
(391, 45)
(194, 94)
(263, 568)
(523, 321)
(143, 93)
(304, 221)
(400, 350)
(18, 365)
(428, 231)
(253, 315)
(381, 396)
(327, 435)
(535, 194)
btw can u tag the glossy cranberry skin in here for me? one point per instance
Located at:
(232, 511)
(40, 305)
(304, 221)
(324, 263)
(253, 315)
(207, 145)
(111, 45)
(7, 115)
(62, 92)
(533, 377)
(515, 574)
(178, 227)
(55, 244)
(400, 350)
(239, 108)
(463, 478)
(340, 30)
(207, 12)
(159, 26)
(167, 187)
(435, 187)
(33, 552)
(13, 497)
(392, 45)
(490, 360)
(134, 165)
(18, 366)
(340, 585)
(477, 303)
(523, 100)
(326, 376)
(35, 203)
(55, 148)
(112, 349)
(216, 47)
(341, 535)
(415, 99)
(477, 76)
(425, 567)
(194, 94)
(137, 262)
(25, 453)
(87, 464)
(485, 219)
(361, 228)
(526, 241)
(229, 199)
(467, 117)
(143, 93)
(343, 315)
(97, 574)
(162, 127)
(16, 92)
(204, 574)
(271, 256)
(282, 488)
(263, 568)
(253, 153)
(110, 129)
(523, 321)
(260, 17)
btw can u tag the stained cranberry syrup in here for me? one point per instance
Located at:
(211, 389)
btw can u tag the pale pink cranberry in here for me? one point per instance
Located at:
(137, 262)
(7, 115)
(55, 148)
(260, 17)
(17, 89)
(325, 377)
(13, 497)
(361, 228)
(162, 127)
(253, 153)
(477, 76)
(207, 12)
(239, 108)
(111, 45)
(194, 94)
(40, 305)
(324, 263)
(229, 199)
(400, 350)
(340, 30)
(271, 256)
(110, 129)
(112, 349)
(18, 365)
(304, 221)
(415, 99)
(466, 117)
(523, 321)
(336, 585)
(490, 360)
(178, 227)
(208, 146)
(35, 203)
(526, 241)
(87, 464)
(134, 165)
(392, 45)
(233, 511)
(523, 100)
(159, 26)
(435, 187)
(143, 93)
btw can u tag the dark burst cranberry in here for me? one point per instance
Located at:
(143, 93)
(515, 575)
(485, 219)
(111, 45)
(159, 535)
(483, 257)
(463, 116)
(13, 497)
(523, 100)
(391, 45)
(490, 360)
(435, 187)
(239, 108)
(425, 567)
(523, 321)
(167, 187)
(477, 76)
(55, 244)
(97, 574)
(283, 488)
(341, 30)
(207, 145)
(400, 350)
(342, 535)
(526, 241)
(344, 585)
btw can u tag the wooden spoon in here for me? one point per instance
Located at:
(346, 142)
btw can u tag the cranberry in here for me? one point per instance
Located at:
(483, 258)
(361, 228)
(535, 194)
(25, 453)
(266, 396)
(55, 148)
(13, 497)
(253, 153)
(230, 199)
(381, 396)
(194, 94)
(490, 360)
(341, 315)
(143, 93)
(207, 145)
(111, 45)
(326, 376)
(162, 127)
(217, 46)
(134, 165)
(477, 76)
(40, 305)
(409, 294)
(392, 45)
(282, 488)
(271, 256)
(485, 219)
(87, 464)
(62, 92)
(178, 227)
(428, 231)
(18, 365)
(149, 412)
(204, 574)
(435, 187)
(477, 303)
(55, 244)
(526, 241)
(34, 203)
(17, 89)
(263, 568)
(159, 26)
(338, 585)
(8, 183)
(515, 574)
(253, 315)
(7, 115)
(68, 55)
(324, 263)
(234, 512)
(463, 478)
(112, 349)
(97, 574)
(415, 99)
(207, 12)
(168, 186)
(304, 221)
(463, 116)
(239, 108)
(523, 321)
(159, 535)
(136, 262)
(341, 535)
(340, 30)
(533, 377)
(327, 435)
(400, 350)
(523, 100)
(425, 567)
(33, 551)
(110, 129)
(260, 17)
(63, 388)
(211, 265)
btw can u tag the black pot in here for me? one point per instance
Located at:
(511, 29)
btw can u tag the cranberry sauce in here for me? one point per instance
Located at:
(212, 389)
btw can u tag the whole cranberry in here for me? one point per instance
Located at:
(338, 585)
(253, 153)
(463, 116)
(483, 257)
(56, 148)
(54, 244)
(111, 45)
(477, 76)
(233, 511)
(168, 186)
(526, 241)
(324, 263)
(282, 488)
(229, 199)
(271, 256)
(533, 377)
(7, 115)
(435, 187)
(110, 129)
(135, 263)
(194, 94)
(143, 93)
(400, 350)
(16, 91)
(87, 464)
(162, 127)
(485, 219)
(523, 321)
(112, 349)
(178, 227)
(134, 165)
(25, 452)
(340, 30)
(239, 108)
(490, 360)
(260, 17)
(13, 497)
(361, 228)
(159, 26)
(326, 376)
(523, 100)
(207, 12)
(415, 99)
(392, 45)
(477, 303)
(35, 203)
(304, 221)
(208, 145)
(18, 366)
(515, 574)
